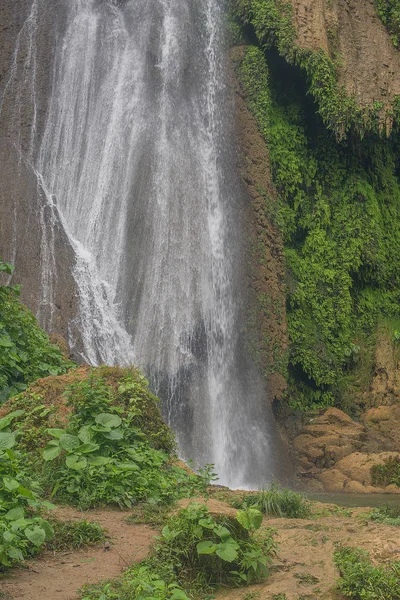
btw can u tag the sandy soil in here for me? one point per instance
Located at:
(302, 570)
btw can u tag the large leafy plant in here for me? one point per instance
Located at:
(22, 530)
(217, 549)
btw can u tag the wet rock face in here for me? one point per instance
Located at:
(335, 453)
(352, 30)
(30, 232)
(327, 439)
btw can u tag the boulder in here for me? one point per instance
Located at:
(327, 439)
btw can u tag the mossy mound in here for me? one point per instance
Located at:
(51, 402)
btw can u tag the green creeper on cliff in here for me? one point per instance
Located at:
(25, 350)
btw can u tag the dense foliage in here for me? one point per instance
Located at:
(389, 12)
(361, 580)
(22, 530)
(197, 551)
(390, 515)
(111, 446)
(340, 216)
(387, 473)
(25, 351)
(271, 22)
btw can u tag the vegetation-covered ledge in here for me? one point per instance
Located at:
(271, 23)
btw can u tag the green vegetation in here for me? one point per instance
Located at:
(271, 22)
(387, 473)
(339, 211)
(196, 552)
(361, 580)
(279, 502)
(111, 447)
(390, 515)
(389, 13)
(22, 530)
(70, 535)
(151, 514)
(25, 351)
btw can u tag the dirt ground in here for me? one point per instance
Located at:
(302, 570)
(58, 576)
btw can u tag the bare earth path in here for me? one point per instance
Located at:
(58, 576)
(302, 570)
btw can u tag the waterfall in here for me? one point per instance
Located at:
(136, 158)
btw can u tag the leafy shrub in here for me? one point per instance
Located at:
(25, 350)
(145, 581)
(22, 531)
(339, 214)
(361, 580)
(196, 551)
(115, 448)
(390, 515)
(389, 12)
(387, 473)
(279, 502)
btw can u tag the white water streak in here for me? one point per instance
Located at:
(132, 162)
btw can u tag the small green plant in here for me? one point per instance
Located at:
(390, 515)
(251, 596)
(280, 596)
(306, 578)
(279, 502)
(361, 580)
(386, 473)
(151, 514)
(74, 534)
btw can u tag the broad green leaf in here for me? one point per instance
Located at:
(250, 518)
(127, 466)
(47, 528)
(69, 442)
(88, 448)
(57, 433)
(226, 552)
(15, 513)
(23, 491)
(114, 434)
(84, 434)
(108, 420)
(5, 421)
(11, 484)
(222, 532)
(207, 523)
(206, 547)
(98, 461)
(179, 595)
(51, 452)
(15, 553)
(36, 535)
(7, 440)
(8, 536)
(75, 462)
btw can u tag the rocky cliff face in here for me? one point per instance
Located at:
(265, 262)
(350, 32)
(30, 230)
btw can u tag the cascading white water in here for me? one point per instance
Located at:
(135, 155)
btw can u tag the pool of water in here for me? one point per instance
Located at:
(353, 500)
